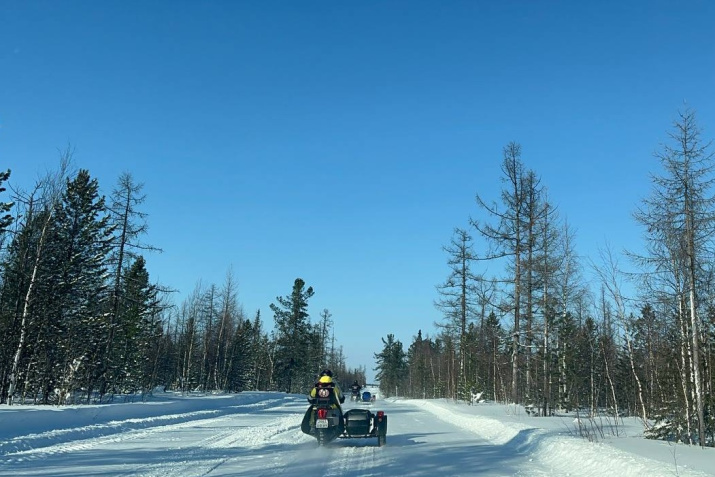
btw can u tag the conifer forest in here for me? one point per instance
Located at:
(82, 320)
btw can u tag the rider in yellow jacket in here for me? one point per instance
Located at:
(327, 378)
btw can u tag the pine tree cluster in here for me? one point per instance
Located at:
(82, 322)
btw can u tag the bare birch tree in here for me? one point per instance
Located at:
(610, 276)
(39, 207)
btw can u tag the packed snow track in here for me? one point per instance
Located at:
(258, 434)
(241, 435)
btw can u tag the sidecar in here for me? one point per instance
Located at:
(363, 424)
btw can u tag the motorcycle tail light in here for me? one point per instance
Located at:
(322, 413)
(380, 415)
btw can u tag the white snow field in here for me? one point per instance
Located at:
(258, 434)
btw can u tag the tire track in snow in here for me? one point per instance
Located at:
(354, 461)
(342, 457)
(89, 443)
(210, 453)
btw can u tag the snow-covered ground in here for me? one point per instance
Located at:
(257, 434)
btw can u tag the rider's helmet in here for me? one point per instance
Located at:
(356, 383)
(327, 372)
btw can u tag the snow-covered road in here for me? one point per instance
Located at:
(257, 434)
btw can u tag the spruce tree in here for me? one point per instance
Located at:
(136, 329)
(391, 366)
(81, 241)
(293, 339)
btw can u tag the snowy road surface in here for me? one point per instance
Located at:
(257, 434)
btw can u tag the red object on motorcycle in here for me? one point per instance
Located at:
(380, 415)
(322, 413)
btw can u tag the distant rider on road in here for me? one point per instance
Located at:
(355, 390)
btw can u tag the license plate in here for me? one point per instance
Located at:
(321, 424)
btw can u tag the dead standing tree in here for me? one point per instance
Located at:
(510, 238)
(679, 220)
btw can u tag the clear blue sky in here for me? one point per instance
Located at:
(341, 142)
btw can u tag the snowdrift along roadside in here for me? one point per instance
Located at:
(26, 427)
(555, 443)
